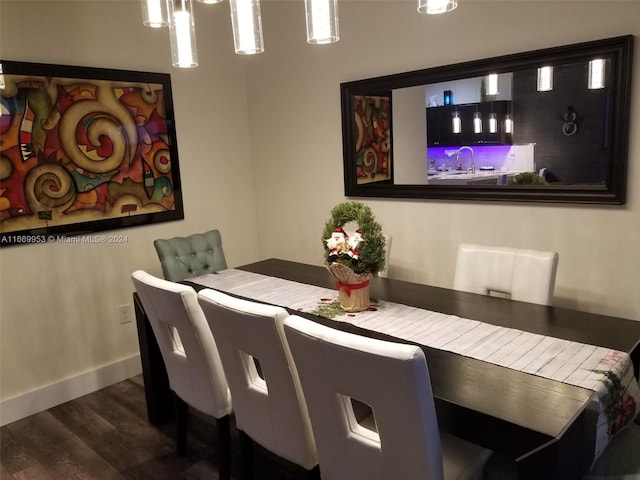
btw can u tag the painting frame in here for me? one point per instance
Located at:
(85, 150)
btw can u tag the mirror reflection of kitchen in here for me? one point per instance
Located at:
(538, 126)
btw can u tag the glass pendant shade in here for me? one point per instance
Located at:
(545, 79)
(456, 123)
(322, 21)
(434, 7)
(477, 123)
(246, 21)
(493, 123)
(154, 13)
(182, 32)
(597, 74)
(2, 84)
(508, 124)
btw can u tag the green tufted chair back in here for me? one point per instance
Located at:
(197, 254)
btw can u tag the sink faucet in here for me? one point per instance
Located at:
(473, 161)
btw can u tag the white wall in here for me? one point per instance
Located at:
(58, 308)
(409, 136)
(261, 159)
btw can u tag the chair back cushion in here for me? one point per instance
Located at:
(188, 349)
(336, 367)
(526, 275)
(197, 254)
(269, 405)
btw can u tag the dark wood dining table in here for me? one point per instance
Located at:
(543, 428)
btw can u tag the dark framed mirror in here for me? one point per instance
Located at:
(549, 125)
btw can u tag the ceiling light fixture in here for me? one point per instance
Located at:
(182, 32)
(477, 122)
(246, 21)
(322, 21)
(154, 13)
(456, 122)
(434, 7)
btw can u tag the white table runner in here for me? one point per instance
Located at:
(607, 372)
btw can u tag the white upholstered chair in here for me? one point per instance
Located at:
(387, 254)
(190, 356)
(525, 275)
(400, 439)
(268, 403)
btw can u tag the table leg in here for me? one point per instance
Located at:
(156, 383)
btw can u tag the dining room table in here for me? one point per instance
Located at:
(543, 427)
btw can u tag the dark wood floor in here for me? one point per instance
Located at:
(106, 435)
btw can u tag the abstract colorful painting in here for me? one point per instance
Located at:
(373, 138)
(84, 150)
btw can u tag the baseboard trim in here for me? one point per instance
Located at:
(21, 406)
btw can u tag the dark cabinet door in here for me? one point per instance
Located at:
(440, 121)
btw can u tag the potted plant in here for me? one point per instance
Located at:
(353, 255)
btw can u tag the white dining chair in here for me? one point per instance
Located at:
(269, 406)
(399, 440)
(191, 358)
(387, 255)
(524, 275)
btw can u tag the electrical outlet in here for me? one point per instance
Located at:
(124, 313)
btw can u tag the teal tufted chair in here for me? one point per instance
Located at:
(197, 254)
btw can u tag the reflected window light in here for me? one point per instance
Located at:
(322, 21)
(492, 84)
(434, 7)
(545, 79)
(597, 73)
(246, 21)
(154, 13)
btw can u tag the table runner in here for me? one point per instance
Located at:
(607, 372)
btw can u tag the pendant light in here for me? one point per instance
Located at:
(597, 73)
(209, 2)
(493, 123)
(434, 7)
(322, 21)
(477, 122)
(246, 21)
(2, 84)
(182, 33)
(456, 122)
(154, 13)
(545, 79)
(508, 124)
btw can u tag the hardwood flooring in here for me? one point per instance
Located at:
(106, 436)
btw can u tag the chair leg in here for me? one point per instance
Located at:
(182, 414)
(246, 456)
(224, 442)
